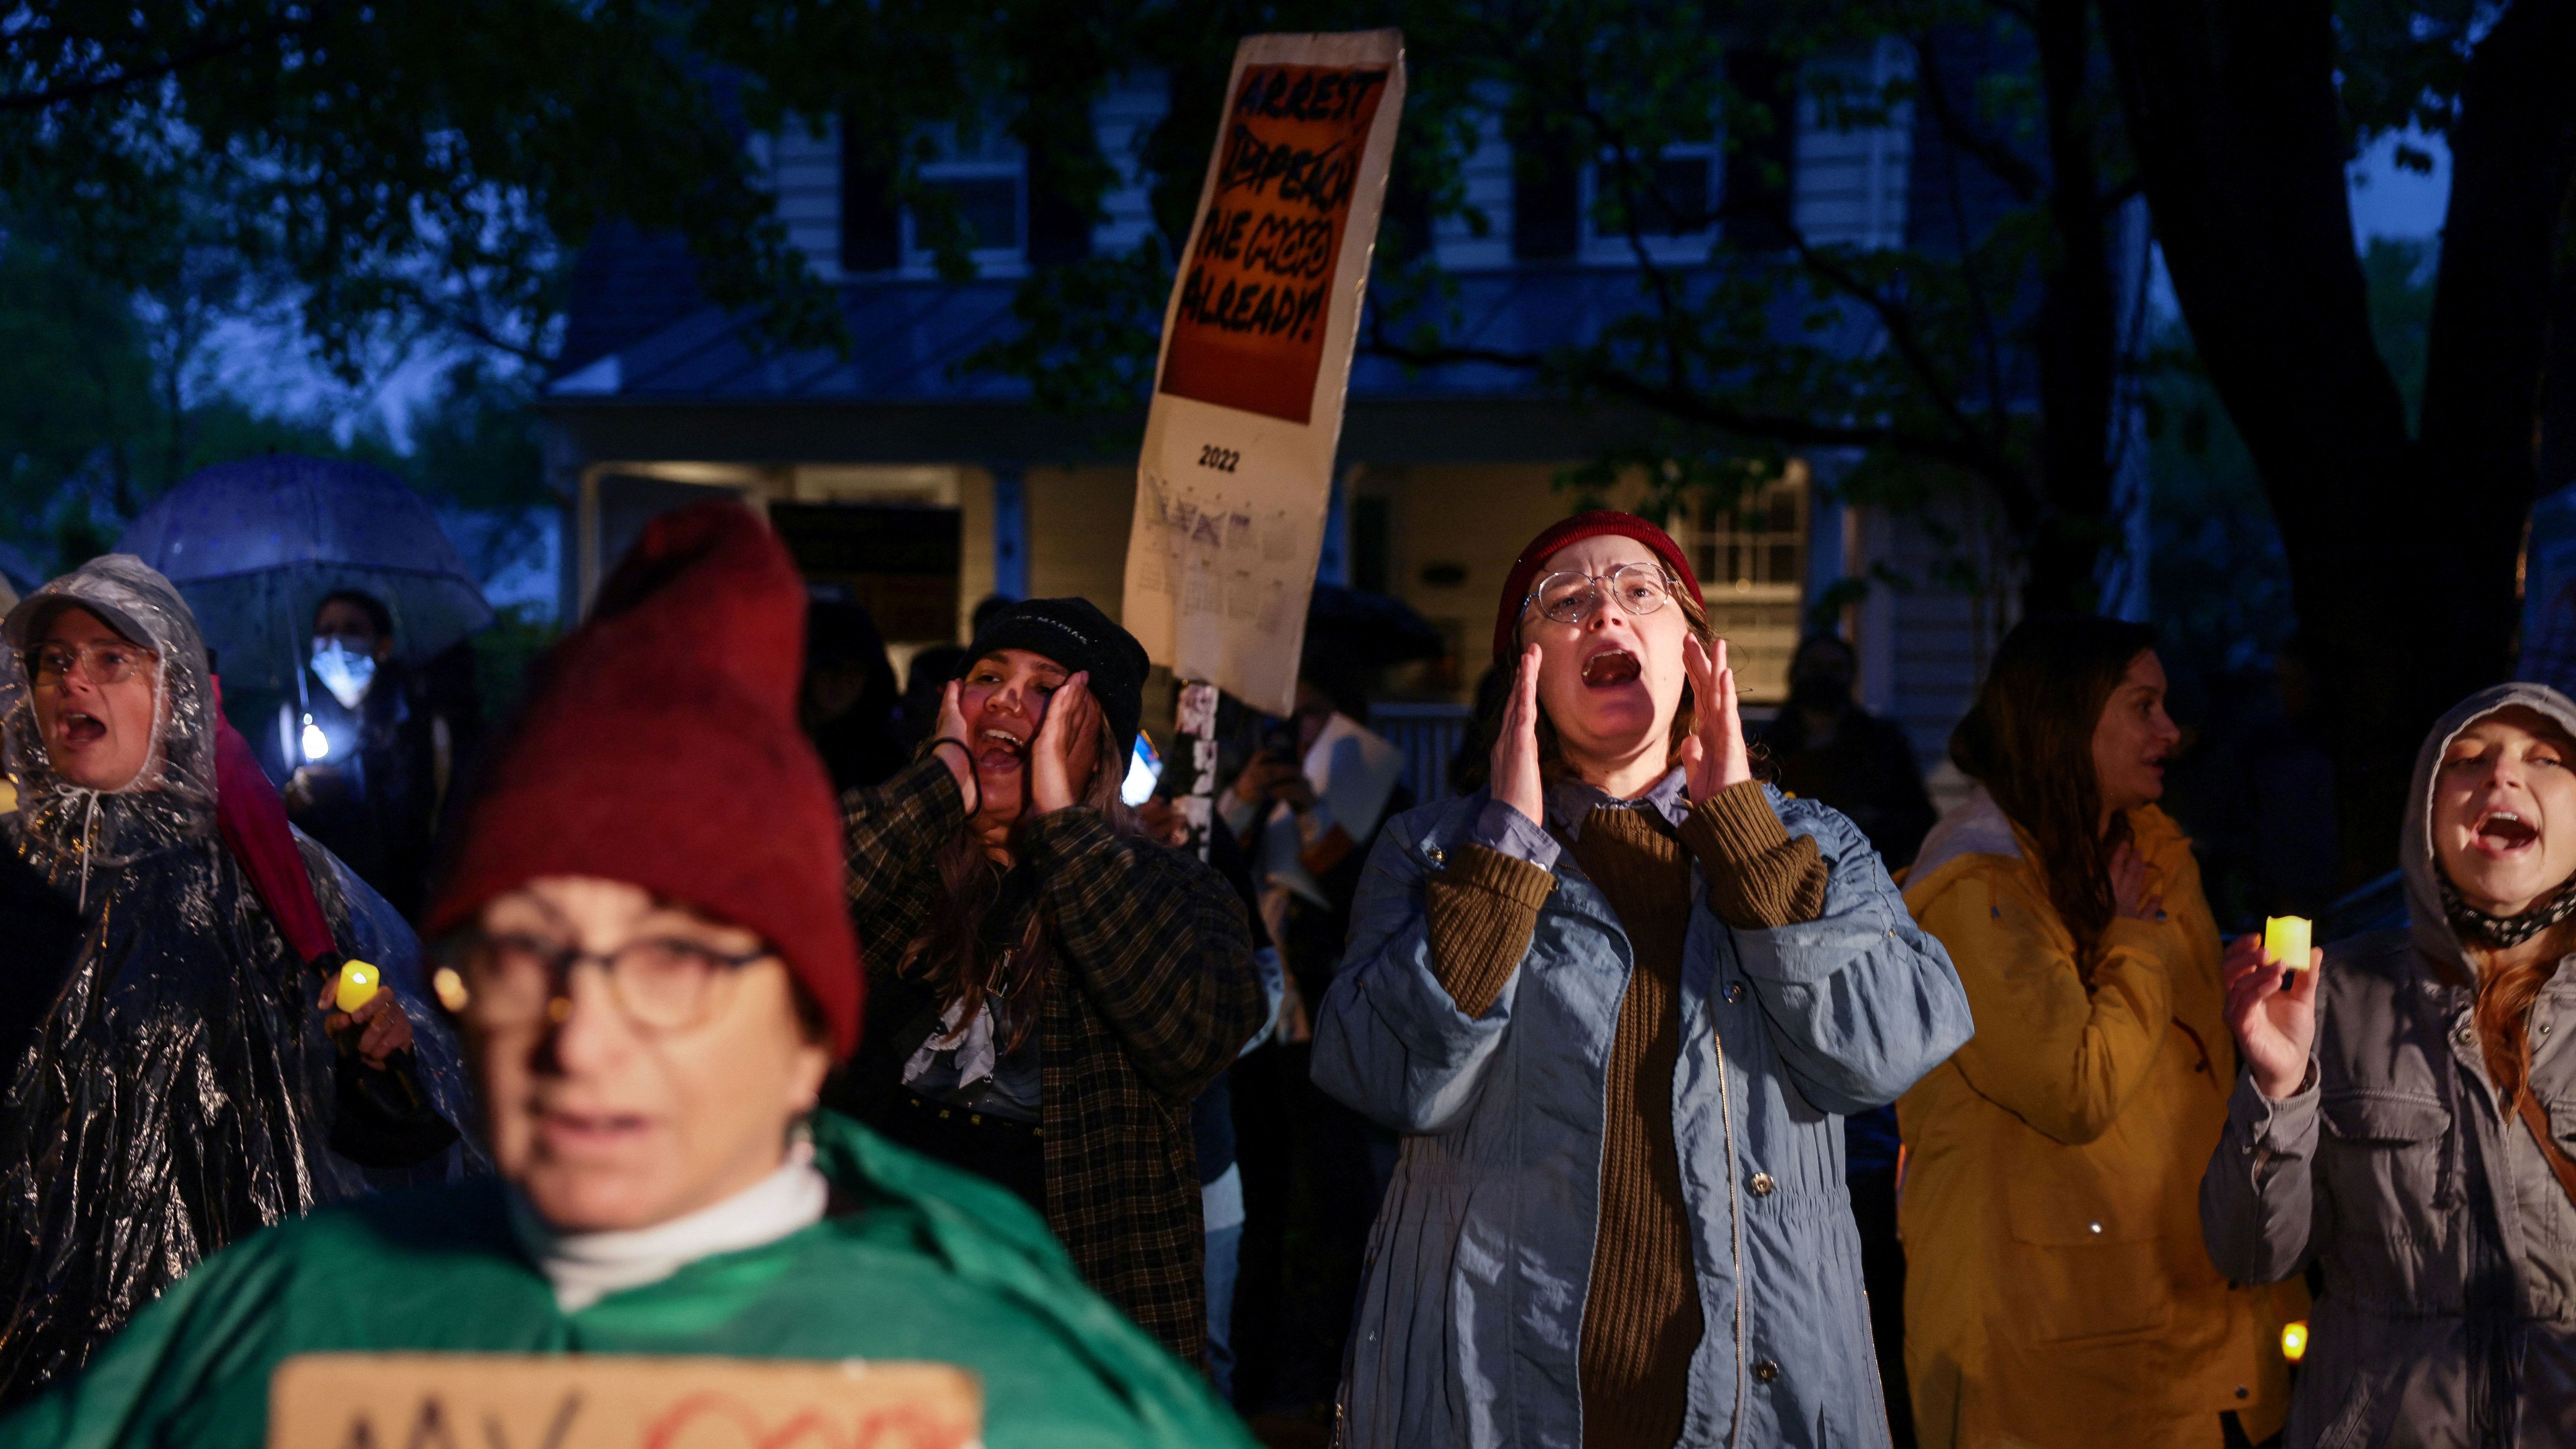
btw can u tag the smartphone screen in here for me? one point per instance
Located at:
(1144, 768)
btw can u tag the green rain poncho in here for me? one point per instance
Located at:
(932, 1265)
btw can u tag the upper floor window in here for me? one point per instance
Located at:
(1671, 201)
(1673, 197)
(1762, 155)
(986, 189)
(1752, 563)
(1688, 195)
(997, 196)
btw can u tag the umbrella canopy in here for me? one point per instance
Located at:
(1373, 631)
(18, 572)
(254, 547)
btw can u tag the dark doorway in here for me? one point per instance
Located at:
(899, 561)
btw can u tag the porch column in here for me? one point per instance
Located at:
(1010, 531)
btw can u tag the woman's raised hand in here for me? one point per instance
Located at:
(1515, 779)
(1715, 757)
(1067, 747)
(951, 730)
(374, 1031)
(2131, 894)
(2275, 1028)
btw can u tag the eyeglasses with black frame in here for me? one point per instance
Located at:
(511, 980)
(1569, 598)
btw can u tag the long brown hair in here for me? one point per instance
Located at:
(949, 950)
(2029, 741)
(2505, 995)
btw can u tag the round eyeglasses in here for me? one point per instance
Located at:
(663, 983)
(113, 662)
(1568, 598)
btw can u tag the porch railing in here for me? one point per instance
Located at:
(1430, 736)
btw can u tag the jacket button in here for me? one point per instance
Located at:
(2243, 1393)
(1438, 856)
(1766, 1371)
(2465, 1035)
(2093, 1228)
(1735, 992)
(1762, 1184)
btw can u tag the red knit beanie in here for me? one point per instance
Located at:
(1590, 524)
(659, 747)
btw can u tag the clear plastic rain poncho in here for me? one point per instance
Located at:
(179, 1091)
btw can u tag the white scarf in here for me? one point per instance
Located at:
(586, 1267)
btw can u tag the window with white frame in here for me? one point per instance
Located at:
(1752, 562)
(987, 187)
(1673, 200)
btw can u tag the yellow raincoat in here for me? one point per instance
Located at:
(2057, 1293)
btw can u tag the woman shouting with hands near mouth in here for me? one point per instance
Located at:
(1052, 988)
(2407, 1111)
(1616, 1002)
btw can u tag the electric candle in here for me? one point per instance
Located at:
(359, 983)
(2285, 940)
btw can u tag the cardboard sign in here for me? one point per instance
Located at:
(1238, 464)
(605, 1401)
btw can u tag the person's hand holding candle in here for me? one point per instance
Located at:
(365, 1017)
(2285, 939)
(2275, 1026)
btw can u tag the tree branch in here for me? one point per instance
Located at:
(1902, 336)
(2010, 167)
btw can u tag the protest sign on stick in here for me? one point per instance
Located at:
(604, 1401)
(1237, 468)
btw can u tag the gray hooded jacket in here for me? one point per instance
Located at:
(2448, 1248)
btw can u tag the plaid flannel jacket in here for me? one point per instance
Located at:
(1152, 994)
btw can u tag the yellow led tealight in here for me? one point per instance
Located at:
(359, 983)
(2285, 940)
(2294, 1340)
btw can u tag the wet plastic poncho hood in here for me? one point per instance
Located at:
(172, 798)
(179, 1091)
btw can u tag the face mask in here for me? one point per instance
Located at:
(343, 671)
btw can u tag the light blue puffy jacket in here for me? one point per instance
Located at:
(1480, 1260)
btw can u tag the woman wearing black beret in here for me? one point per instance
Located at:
(1052, 987)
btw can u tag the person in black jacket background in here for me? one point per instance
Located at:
(1826, 747)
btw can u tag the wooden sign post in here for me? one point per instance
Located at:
(1237, 471)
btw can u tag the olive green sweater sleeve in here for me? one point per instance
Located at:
(1480, 913)
(1759, 875)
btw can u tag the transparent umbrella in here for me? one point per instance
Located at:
(18, 573)
(254, 547)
